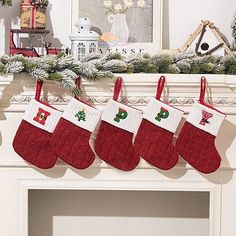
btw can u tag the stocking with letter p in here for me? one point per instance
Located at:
(154, 140)
(114, 141)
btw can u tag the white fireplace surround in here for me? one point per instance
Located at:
(17, 177)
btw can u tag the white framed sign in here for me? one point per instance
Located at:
(127, 27)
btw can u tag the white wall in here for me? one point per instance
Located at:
(181, 17)
(9, 16)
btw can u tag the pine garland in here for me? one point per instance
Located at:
(64, 69)
(60, 68)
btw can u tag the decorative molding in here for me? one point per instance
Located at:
(133, 100)
(181, 90)
(138, 100)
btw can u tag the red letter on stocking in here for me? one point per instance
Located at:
(41, 116)
(205, 118)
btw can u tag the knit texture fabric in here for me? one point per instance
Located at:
(32, 138)
(154, 144)
(196, 141)
(113, 143)
(153, 141)
(70, 140)
(114, 146)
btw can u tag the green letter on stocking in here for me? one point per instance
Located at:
(163, 114)
(122, 115)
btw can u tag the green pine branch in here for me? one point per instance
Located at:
(64, 69)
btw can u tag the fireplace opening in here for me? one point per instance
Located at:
(118, 213)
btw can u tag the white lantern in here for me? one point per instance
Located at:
(84, 41)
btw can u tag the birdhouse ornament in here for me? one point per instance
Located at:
(207, 40)
(85, 41)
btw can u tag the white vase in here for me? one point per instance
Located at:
(119, 27)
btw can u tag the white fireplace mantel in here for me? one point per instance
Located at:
(17, 177)
(181, 90)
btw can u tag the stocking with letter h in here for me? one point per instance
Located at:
(32, 139)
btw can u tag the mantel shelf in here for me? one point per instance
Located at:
(181, 90)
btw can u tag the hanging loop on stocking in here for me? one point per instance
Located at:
(117, 88)
(39, 86)
(78, 82)
(36, 128)
(78, 86)
(160, 87)
(203, 90)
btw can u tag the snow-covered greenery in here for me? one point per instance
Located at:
(65, 69)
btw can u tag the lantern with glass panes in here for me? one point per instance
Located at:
(85, 41)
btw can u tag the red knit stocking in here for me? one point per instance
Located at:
(70, 140)
(154, 138)
(196, 141)
(32, 138)
(113, 143)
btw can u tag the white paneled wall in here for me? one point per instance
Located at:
(59, 22)
(9, 17)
